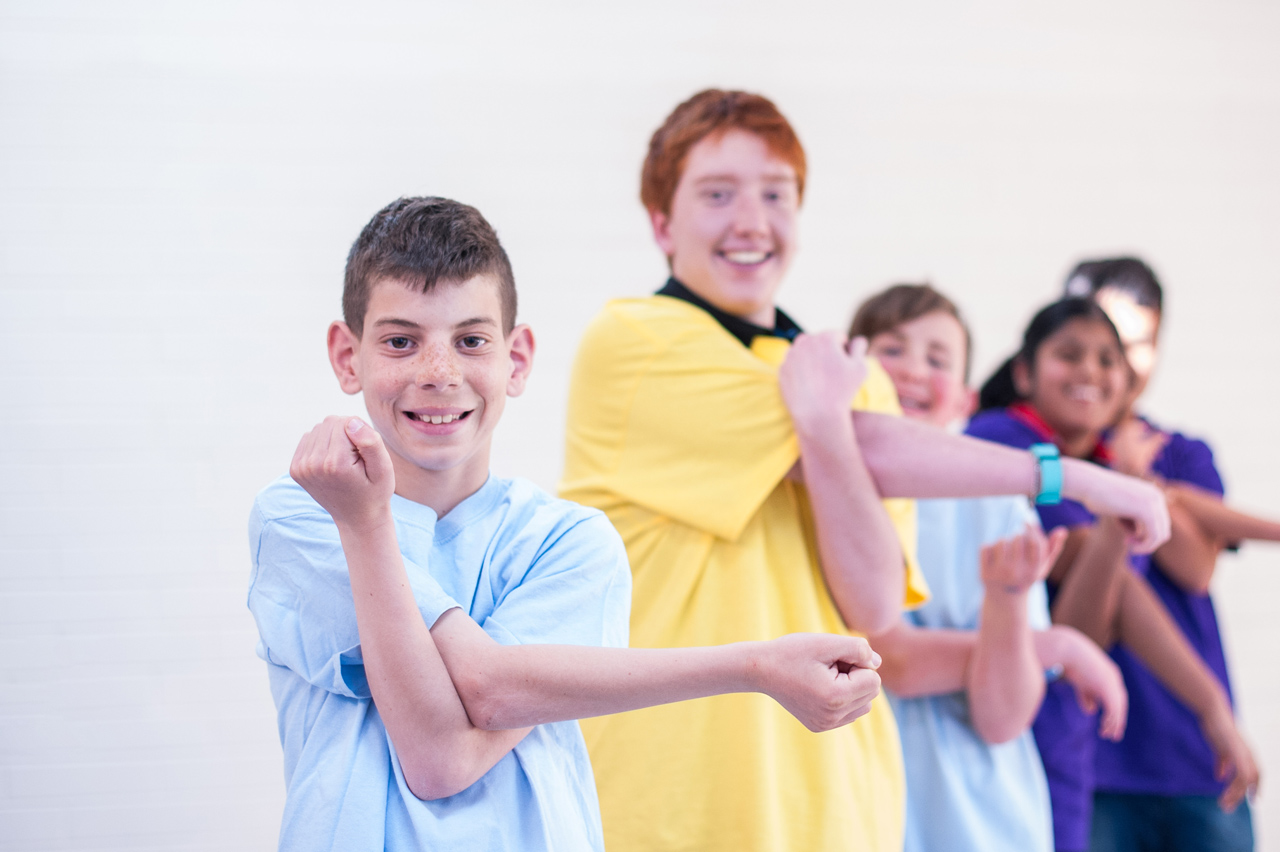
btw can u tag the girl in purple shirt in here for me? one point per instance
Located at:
(1163, 786)
(1066, 385)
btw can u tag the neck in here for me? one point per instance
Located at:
(1079, 445)
(440, 490)
(764, 316)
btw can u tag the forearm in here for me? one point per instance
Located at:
(1191, 553)
(916, 662)
(1147, 630)
(1089, 591)
(1220, 520)
(858, 547)
(1006, 682)
(440, 751)
(515, 686)
(911, 459)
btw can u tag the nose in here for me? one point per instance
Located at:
(437, 367)
(749, 214)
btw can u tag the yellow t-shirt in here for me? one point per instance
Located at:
(680, 435)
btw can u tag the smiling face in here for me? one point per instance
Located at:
(435, 370)
(1138, 326)
(730, 235)
(925, 358)
(1079, 382)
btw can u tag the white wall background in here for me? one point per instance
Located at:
(179, 184)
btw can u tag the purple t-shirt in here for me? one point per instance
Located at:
(1163, 752)
(1065, 734)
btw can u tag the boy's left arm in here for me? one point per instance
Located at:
(858, 547)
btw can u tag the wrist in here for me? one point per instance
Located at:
(372, 524)
(823, 425)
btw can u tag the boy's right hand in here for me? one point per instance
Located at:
(344, 466)
(1096, 679)
(824, 680)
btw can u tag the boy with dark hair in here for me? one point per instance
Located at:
(431, 631)
(718, 439)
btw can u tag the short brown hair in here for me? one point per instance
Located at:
(709, 113)
(903, 303)
(420, 242)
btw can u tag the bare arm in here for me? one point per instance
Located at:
(1006, 680)
(1148, 630)
(1089, 588)
(454, 701)
(1220, 520)
(1191, 553)
(858, 547)
(1096, 679)
(911, 459)
(917, 661)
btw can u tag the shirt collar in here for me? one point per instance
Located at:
(783, 325)
(1024, 413)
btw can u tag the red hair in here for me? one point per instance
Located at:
(712, 113)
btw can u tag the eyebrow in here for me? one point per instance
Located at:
(777, 177)
(410, 324)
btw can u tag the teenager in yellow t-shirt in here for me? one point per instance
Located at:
(718, 440)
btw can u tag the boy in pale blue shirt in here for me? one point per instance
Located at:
(431, 631)
(966, 671)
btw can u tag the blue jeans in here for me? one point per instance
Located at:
(1125, 822)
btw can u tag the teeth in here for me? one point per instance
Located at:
(746, 257)
(1086, 394)
(437, 419)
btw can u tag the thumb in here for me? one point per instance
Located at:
(368, 443)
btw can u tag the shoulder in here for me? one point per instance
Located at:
(1188, 459)
(285, 498)
(529, 514)
(998, 425)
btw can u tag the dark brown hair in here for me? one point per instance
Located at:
(420, 242)
(708, 113)
(903, 303)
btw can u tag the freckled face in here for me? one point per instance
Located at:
(435, 370)
(1079, 380)
(732, 228)
(925, 358)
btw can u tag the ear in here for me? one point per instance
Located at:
(1021, 378)
(520, 346)
(344, 348)
(661, 223)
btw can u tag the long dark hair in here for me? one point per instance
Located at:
(998, 391)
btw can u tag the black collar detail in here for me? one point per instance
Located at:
(784, 326)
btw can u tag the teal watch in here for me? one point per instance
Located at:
(1049, 466)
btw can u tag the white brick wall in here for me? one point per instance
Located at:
(179, 184)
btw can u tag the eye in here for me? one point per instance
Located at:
(939, 363)
(472, 341)
(399, 342)
(716, 196)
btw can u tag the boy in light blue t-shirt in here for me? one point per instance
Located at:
(431, 631)
(966, 671)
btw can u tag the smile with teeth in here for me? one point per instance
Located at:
(746, 258)
(1084, 393)
(436, 419)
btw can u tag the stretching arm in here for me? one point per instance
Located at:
(1219, 519)
(1147, 629)
(911, 459)
(858, 547)
(454, 701)
(1191, 553)
(1089, 590)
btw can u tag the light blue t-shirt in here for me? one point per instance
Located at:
(964, 795)
(528, 568)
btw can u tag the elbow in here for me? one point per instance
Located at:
(430, 780)
(872, 620)
(485, 701)
(997, 731)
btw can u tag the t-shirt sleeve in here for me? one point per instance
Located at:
(576, 591)
(1191, 461)
(677, 421)
(300, 597)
